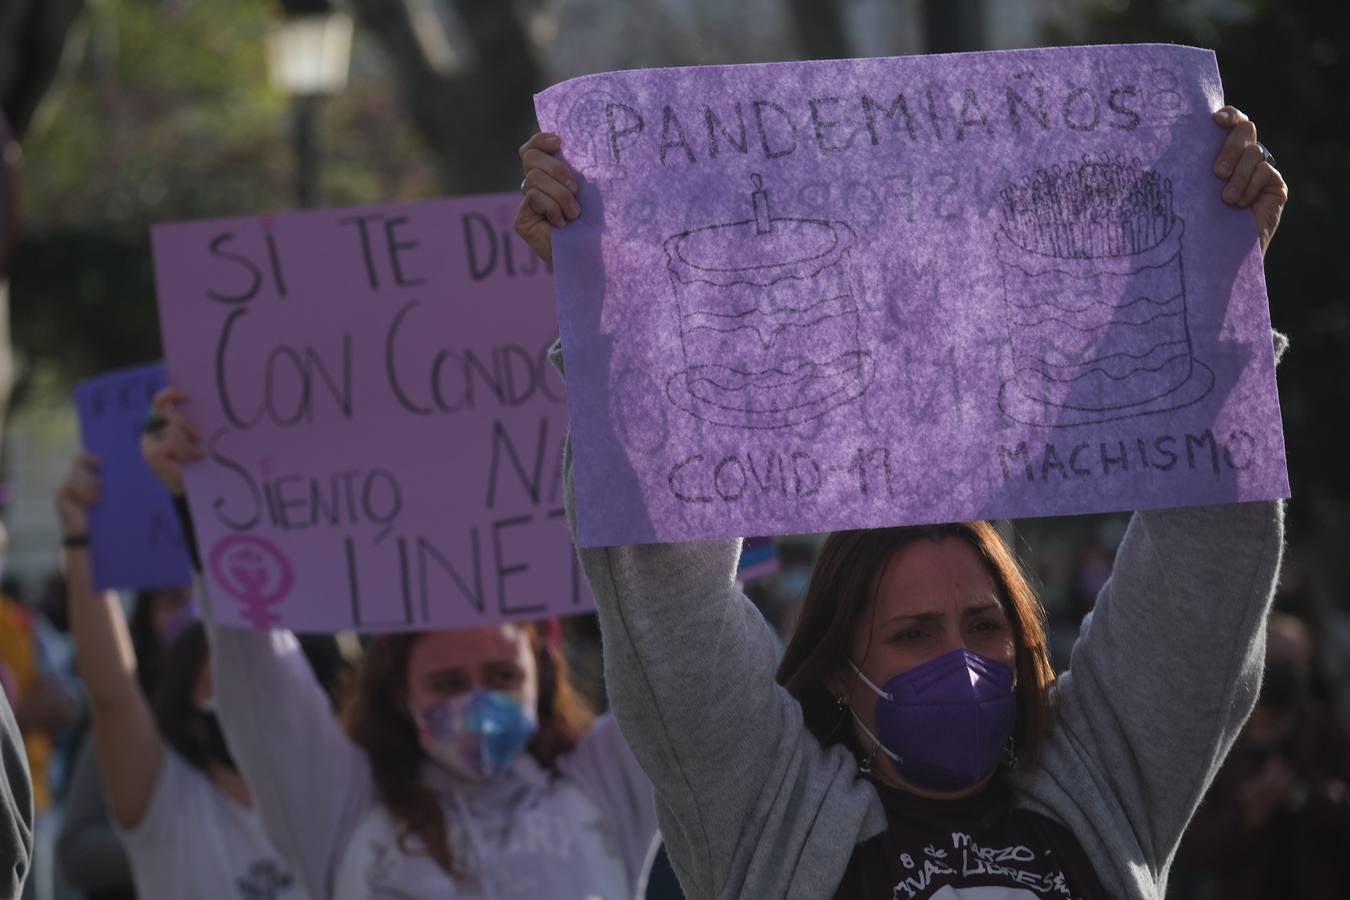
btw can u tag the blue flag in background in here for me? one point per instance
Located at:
(135, 541)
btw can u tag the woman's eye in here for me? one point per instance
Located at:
(988, 626)
(504, 677)
(910, 634)
(449, 684)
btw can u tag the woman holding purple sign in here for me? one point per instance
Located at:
(917, 743)
(469, 767)
(185, 815)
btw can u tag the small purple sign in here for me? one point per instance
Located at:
(134, 539)
(857, 293)
(383, 428)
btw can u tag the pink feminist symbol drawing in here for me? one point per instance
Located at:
(255, 573)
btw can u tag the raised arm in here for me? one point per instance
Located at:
(1165, 672)
(311, 784)
(689, 664)
(126, 739)
(605, 769)
(1168, 664)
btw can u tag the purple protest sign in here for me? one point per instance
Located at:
(811, 296)
(384, 430)
(134, 538)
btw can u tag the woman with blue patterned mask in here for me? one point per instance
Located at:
(464, 765)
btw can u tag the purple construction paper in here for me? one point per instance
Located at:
(134, 539)
(383, 427)
(858, 293)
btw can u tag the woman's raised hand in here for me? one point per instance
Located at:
(170, 439)
(549, 194)
(77, 493)
(1252, 179)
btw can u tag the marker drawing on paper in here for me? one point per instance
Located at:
(769, 321)
(1091, 258)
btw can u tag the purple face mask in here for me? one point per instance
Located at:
(945, 723)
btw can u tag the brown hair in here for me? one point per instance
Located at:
(843, 588)
(174, 700)
(377, 718)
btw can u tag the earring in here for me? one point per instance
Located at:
(839, 703)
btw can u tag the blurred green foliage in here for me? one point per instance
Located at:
(167, 113)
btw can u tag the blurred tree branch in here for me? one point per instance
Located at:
(819, 25)
(471, 116)
(32, 39)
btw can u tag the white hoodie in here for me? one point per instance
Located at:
(582, 834)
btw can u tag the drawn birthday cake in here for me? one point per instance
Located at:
(1094, 286)
(769, 321)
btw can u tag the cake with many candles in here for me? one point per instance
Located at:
(769, 319)
(1091, 261)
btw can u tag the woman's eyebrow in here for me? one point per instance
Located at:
(939, 615)
(445, 672)
(934, 616)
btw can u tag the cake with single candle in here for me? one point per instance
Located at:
(769, 321)
(1095, 294)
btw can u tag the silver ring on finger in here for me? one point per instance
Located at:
(1266, 154)
(523, 188)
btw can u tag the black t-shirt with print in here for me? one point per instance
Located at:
(980, 848)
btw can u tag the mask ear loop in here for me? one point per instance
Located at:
(865, 766)
(867, 681)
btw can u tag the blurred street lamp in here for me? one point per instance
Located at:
(307, 57)
(953, 26)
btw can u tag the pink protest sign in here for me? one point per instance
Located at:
(384, 430)
(811, 296)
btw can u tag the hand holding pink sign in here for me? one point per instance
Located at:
(378, 427)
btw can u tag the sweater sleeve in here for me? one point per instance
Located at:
(750, 804)
(310, 782)
(16, 805)
(1164, 673)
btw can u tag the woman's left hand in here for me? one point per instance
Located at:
(1252, 182)
(171, 440)
(77, 494)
